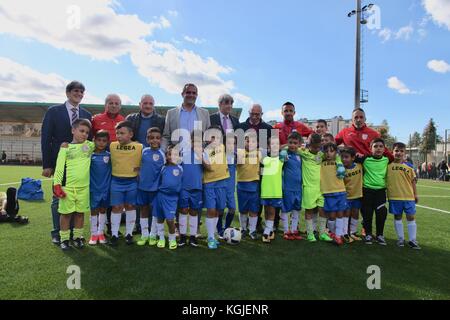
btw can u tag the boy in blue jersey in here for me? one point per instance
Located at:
(100, 181)
(292, 188)
(153, 159)
(191, 195)
(166, 201)
(231, 187)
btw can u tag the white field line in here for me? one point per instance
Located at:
(433, 209)
(19, 182)
(424, 196)
(441, 188)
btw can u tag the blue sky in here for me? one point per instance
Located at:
(260, 51)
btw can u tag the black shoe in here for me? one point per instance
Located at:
(414, 245)
(78, 243)
(368, 239)
(56, 241)
(193, 241)
(129, 239)
(381, 241)
(65, 245)
(182, 241)
(253, 235)
(114, 241)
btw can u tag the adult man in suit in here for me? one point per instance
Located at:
(56, 129)
(224, 119)
(185, 118)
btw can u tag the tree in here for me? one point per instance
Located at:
(384, 131)
(429, 138)
(416, 140)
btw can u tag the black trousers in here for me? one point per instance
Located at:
(374, 201)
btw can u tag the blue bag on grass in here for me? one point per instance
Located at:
(30, 189)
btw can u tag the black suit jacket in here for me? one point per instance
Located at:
(216, 121)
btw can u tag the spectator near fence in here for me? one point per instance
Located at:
(4, 157)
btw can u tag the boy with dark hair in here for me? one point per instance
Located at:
(321, 127)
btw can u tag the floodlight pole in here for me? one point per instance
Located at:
(358, 56)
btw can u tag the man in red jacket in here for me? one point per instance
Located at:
(289, 125)
(110, 118)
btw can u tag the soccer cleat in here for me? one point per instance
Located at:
(266, 238)
(288, 236)
(172, 244)
(325, 237)
(400, 243)
(413, 244)
(93, 240)
(152, 241)
(368, 239)
(78, 243)
(193, 241)
(355, 237)
(129, 239)
(253, 235)
(296, 235)
(311, 237)
(65, 245)
(348, 239)
(212, 244)
(272, 235)
(102, 239)
(161, 243)
(182, 241)
(381, 240)
(143, 241)
(56, 241)
(114, 241)
(338, 240)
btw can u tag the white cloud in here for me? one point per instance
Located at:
(404, 33)
(107, 35)
(22, 83)
(439, 10)
(397, 85)
(386, 34)
(439, 66)
(194, 40)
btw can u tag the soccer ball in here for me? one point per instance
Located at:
(232, 236)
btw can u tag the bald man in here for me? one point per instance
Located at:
(109, 118)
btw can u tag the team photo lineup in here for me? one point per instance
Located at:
(162, 175)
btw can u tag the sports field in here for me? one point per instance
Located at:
(31, 267)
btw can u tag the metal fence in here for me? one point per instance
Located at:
(23, 150)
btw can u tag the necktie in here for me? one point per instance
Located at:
(225, 123)
(74, 114)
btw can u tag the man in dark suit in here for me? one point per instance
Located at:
(223, 118)
(56, 129)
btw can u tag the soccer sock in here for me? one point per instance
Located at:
(115, 223)
(101, 223)
(332, 226)
(285, 219)
(94, 225)
(294, 221)
(309, 226)
(64, 235)
(172, 236)
(229, 218)
(339, 227)
(153, 228)
(216, 221)
(345, 228)
(160, 228)
(269, 227)
(130, 221)
(412, 230)
(144, 227)
(193, 225)
(243, 218)
(253, 221)
(182, 221)
(314, 220)
(354, 225)
(322, 225)
(399, 229)
(77, 233)
(210, 227)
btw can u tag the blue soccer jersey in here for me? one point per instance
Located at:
(100, 172)
(292, 173)
(151, 165)
(192, 171)
(170, 179)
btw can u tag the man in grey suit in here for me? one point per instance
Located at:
(187, 117)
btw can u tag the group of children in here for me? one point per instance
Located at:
(330, 183)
